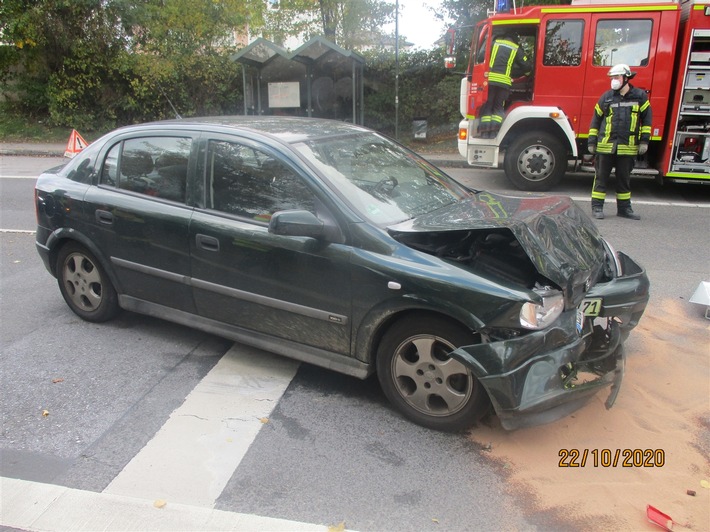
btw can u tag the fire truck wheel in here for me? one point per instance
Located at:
(535, 161)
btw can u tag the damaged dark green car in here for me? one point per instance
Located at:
(328, 243)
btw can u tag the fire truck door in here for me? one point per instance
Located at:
(560, 66)
(631, 38)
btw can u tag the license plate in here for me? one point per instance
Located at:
(591, 307)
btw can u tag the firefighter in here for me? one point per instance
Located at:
(508, 60)
(619, 132)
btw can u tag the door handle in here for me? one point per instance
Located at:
(208, 243)
(104, 217)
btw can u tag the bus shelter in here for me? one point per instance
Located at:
(319, 79)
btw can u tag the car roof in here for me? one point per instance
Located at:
(285, 128)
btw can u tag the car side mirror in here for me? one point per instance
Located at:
(296, 223)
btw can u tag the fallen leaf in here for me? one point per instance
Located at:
(55, 381)
(45, 413)
(435, 520)
(160, 503)
(705, 484)
(264, 420)
(340, 527)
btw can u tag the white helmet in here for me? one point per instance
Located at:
(621, 70)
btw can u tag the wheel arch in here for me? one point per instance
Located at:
(540, 124)
(60, 238)
(369, 350)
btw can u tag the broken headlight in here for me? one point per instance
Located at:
(537, 316)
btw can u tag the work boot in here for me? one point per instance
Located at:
(598, 209)
(627, 212)
(624, 210)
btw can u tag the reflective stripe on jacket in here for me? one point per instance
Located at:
(620, 123)
(506, 56)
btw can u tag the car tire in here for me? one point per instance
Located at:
(535, 161)
(422, 381)
(84, 284)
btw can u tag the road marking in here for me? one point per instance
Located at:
(28, 505)
(194, 454)
(18, 177)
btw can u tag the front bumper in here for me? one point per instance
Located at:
(544, 375)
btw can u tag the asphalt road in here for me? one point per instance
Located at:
(81, 402)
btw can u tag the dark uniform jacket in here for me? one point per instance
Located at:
(508, 60)
(620, 123)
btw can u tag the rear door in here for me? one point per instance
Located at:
(140, 216)
(293, 288)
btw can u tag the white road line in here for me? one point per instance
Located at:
(18, 177)
(33, 506)
(193, 456)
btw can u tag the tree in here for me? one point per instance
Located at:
(351, 24)
(93, 62)
(181, 54)
(63, 50)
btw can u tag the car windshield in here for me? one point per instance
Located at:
(384, 182)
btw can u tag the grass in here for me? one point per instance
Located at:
(16, 128)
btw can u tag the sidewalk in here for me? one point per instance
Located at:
(448, 159)
(34, 149)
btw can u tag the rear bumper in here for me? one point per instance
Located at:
(544, 375)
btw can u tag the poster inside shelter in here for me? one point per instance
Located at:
(285, 94)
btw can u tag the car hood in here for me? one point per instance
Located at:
(560, 240)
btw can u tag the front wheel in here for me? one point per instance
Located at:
(422, 381)
(84, 284)
(535, 161)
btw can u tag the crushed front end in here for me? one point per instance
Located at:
(541, 376)
(553, 335)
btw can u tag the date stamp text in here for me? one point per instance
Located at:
(612, 458)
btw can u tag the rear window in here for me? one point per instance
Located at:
(83, 166)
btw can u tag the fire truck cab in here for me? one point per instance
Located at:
(572, 48)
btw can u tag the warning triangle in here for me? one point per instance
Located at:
(75, 145)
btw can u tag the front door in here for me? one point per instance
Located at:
(295, 288)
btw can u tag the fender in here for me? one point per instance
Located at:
(554, 114)
(57, 238)
(380, 316)
(511, 123)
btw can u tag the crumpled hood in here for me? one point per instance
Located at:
(560, 240)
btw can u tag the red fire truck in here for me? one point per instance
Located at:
(572, 47)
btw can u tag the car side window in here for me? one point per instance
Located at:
(253, 184)
(155, 166)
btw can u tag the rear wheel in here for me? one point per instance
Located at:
(84, 284)
(535, 161)
(422, 381)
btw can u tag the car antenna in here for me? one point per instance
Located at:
(177, 115)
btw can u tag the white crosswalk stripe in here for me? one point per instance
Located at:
(195, 453)
(185, 466)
